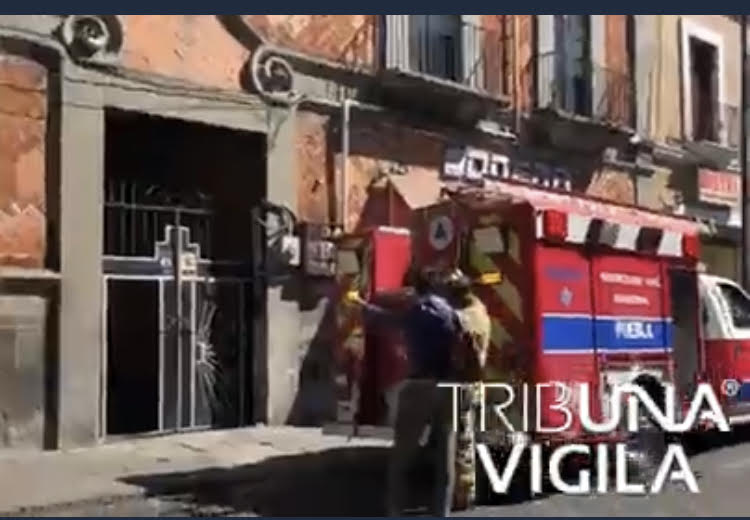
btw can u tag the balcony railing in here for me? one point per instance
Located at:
(731, 125)
(445, 48)
(720, 124)
(581, 87)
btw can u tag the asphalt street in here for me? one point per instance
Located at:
(722, 472)
(339, 486)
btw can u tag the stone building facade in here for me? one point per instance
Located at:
(133, 149)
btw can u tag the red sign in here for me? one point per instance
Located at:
(719, 187)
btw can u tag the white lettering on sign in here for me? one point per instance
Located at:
(629, 279)
(719, 187)
(622, 279)
(634, 330)
(630, 299)
(472, 164)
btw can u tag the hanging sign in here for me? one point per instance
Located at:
(721, 188)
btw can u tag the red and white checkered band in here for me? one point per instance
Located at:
(624, 236)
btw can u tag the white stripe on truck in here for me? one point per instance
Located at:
(618, 236)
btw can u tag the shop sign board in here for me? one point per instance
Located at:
(717, 187)
(468, 164)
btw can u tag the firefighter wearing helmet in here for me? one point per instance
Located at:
(470, 361)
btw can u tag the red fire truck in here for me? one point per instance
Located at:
(579, 291)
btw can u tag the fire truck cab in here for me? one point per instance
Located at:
(725, 319)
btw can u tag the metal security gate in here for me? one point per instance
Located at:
(178, 314)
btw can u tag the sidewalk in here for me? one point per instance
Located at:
(128, 468)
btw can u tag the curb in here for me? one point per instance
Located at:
(103, 499)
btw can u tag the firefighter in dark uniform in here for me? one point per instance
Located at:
(476, 329)
(431, 329)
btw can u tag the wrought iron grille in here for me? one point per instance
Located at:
(136, 214)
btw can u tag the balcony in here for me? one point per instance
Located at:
(731, 123)
(441, 62)
(718, 125)
(583, 90)
(713, 139)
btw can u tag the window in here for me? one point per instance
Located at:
(738, 303)
(451, 47)
(704, 97)
(435, 45)
(704, 110)
(573, 74)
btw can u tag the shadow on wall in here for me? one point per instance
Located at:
(315, 400)
(336, 482)
(308, 335)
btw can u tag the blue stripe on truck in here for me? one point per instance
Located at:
(619, 334)
(623, 334)
(562, 334)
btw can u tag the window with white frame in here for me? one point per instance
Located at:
(703, 107)
(443, 46)
(572, 63)
(435, 45)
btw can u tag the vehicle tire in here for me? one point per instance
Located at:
(741, 433)
(705, 441)
(484, 493)
(520, 486)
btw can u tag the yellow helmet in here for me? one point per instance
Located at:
(457, 278)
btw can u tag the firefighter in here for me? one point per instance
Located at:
(470, 362)
(431, 329)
